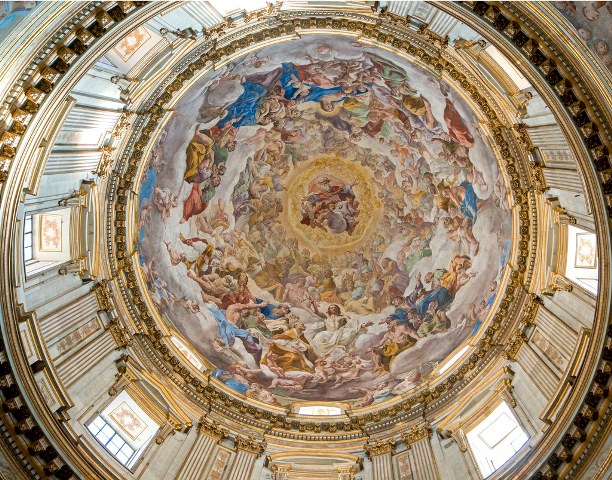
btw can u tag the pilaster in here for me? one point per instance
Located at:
(209, 435)
(380, 453)
(419, 457)
(247, 451)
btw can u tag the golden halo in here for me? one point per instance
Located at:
(365, 190)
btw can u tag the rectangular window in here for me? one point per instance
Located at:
(111, 441)
(496, 439)
(124, 429)
(27, 239)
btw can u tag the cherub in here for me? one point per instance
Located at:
(273, 365)
(190, 305)
(371, 394)
(164, 200)
(349, 373)
(293, 383)
(146, 217)
(175, 257)
(323, 370)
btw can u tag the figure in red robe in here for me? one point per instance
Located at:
(457, 130)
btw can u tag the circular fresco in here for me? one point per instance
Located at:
(323, 221)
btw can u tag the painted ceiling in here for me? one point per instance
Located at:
(323, 221)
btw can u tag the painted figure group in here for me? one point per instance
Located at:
(290, 320)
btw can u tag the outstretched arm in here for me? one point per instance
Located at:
(250, 306)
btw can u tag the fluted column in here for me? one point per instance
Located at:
(420, 455)
(247, 451)
(380, 453)
(209, 435)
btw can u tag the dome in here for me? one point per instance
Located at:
(304, 198)
(308, 239)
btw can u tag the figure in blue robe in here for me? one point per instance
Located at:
(268, 310)
(228, 379)
(469, 205)
(228, 332)
(315, 93)
(440, 295)
(243, 111)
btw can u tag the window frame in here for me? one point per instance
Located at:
(477, 453)
(130, 460)
(139, 444)
(28, 218)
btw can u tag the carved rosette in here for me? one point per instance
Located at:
(380, 447)
(250, 445)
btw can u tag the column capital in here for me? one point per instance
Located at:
(380, 447)
(104, 296)
(522, 133)
(212, 429)
(416, 433)
(250, 445)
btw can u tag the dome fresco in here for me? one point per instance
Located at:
(323, 221)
